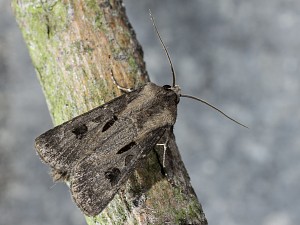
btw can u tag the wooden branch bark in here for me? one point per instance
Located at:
(74, 46)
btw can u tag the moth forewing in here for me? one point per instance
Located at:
(98, 150)
(62, 146)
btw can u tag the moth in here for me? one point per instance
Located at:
(97, 151)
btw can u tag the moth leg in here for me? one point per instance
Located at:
(164, 154)
(127, 90)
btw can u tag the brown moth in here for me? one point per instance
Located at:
(97, 151)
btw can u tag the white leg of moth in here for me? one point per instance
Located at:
(164, 155)
(127, 90)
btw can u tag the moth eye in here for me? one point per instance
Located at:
(113, 175)
(128, 159)
(80, 131)
(166, 87)
(109, 123)
(126, 147)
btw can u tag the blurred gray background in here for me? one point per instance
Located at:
(242, 56)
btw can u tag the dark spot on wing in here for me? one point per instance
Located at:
(126, 147)
(135, 202)
(113, 175)
(80, 131)
(109, 123)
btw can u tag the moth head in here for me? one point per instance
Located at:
(175, 89)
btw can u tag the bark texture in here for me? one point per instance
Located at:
(75, 46)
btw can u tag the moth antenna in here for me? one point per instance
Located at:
(164, 47)
(174, 75)
(215, 108)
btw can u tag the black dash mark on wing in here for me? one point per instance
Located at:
(80, 131)
(126, 147)
(113, 175)
(109, 123)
